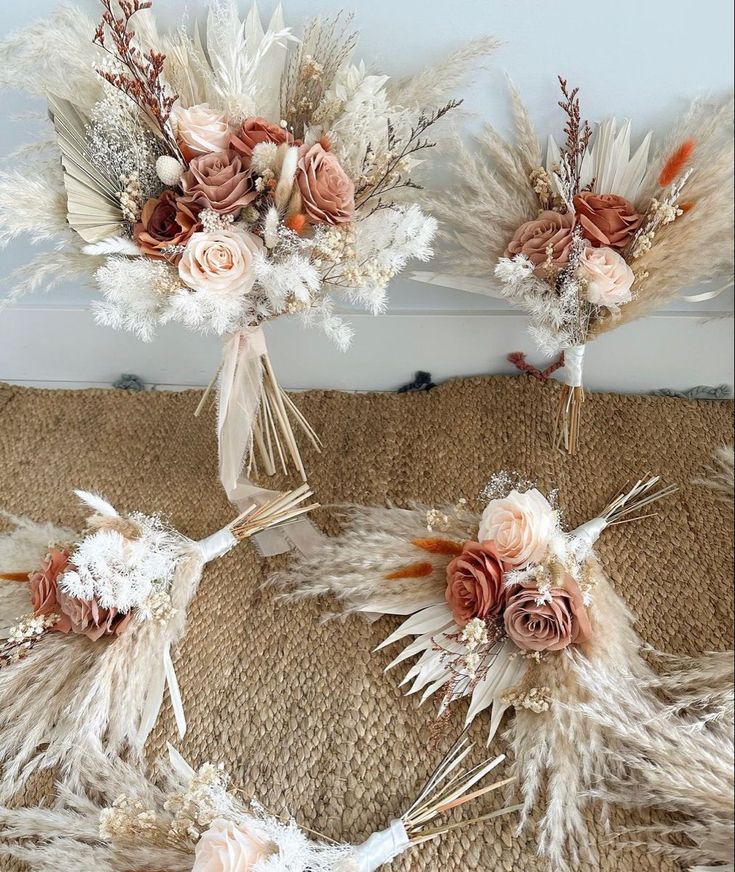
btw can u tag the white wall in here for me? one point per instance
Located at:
(643, 60)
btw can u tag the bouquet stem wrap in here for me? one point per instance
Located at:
(382, 848)
(570, 402)
(245, 369)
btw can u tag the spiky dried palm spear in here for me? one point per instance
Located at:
(401, 562)
(123, 822)
(91, 627)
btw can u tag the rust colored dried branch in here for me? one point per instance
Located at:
(143, 82)
(578, 134)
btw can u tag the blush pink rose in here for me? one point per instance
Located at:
(475, 583)
(44, 582)
(519, 526)
(229, 847)
(327, 193)
(533, 239)
(553, 624)
(609, 278)
(255, 130)
(219, 181)
(201, 130)
(606, 219)
(220, 262)
(88, 618)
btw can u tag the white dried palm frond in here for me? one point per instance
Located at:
(64, 43)
(246, 59)
(607, 166)
(438, 82)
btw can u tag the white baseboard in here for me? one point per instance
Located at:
(61, 346)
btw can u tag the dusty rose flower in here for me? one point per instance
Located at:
(557, 622)
(609, 278)
(475, 583)
(606, 219)
(255, 130)
(519, 526)
(327, 193)
(201, 130)
(219, 181)
(229, 847)
(44, 581)
(533, 239)
(220, 262)
(88, 618)
(165, 222)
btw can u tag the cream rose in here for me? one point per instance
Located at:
(227, 847)
(201, 130)
(520, 526)
(221, 261)
(609, 278)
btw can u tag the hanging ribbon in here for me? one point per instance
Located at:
(239, 388)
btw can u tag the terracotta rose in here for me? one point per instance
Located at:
(475, 583)
(44, 582)
(552, 625)
(606, 219)
(88, 618)
(165, 221)
(327, 193)
(533, 239)
(220, 181)
(255, 130)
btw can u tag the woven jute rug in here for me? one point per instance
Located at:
(300, 711)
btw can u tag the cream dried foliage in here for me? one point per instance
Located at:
(698, 245)
(33, 201)
(491, 196)
(54, 55)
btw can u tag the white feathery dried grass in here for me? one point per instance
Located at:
(720, 478)
(33, 201)
(435, 84)
(64, 42)
(47, 714)
(49, 269)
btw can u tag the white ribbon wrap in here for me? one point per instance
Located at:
(382, 847)
(573, 363)
(239, 389)
(590, 532)
(217, 544)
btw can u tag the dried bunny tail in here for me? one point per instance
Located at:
(434, 85)
(720, 477)
(107, 690)
(698, 245)
(375, 544)
(559, 755)
(64, 41)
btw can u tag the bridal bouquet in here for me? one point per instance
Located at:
(87, 624)
(190, 820)
(220, 179)
(595, 236)
(507, 609)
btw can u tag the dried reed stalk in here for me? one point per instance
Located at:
(568, 416)
(284, 509)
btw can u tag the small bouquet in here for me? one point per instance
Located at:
(596, 236)
(87, 624)
(222, 179)
(191, 822)
(505, 610)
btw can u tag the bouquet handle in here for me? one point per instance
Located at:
(566, 426)
(254, 418)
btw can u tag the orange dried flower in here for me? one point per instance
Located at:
(297, 223)
(676, 163)
(438, 546)
(413, 570)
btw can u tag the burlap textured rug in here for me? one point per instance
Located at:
(299, 711)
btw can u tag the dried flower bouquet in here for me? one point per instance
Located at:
(189, 821)
(221, 179)
(595, 236)
(505, 610)
(87, 625)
